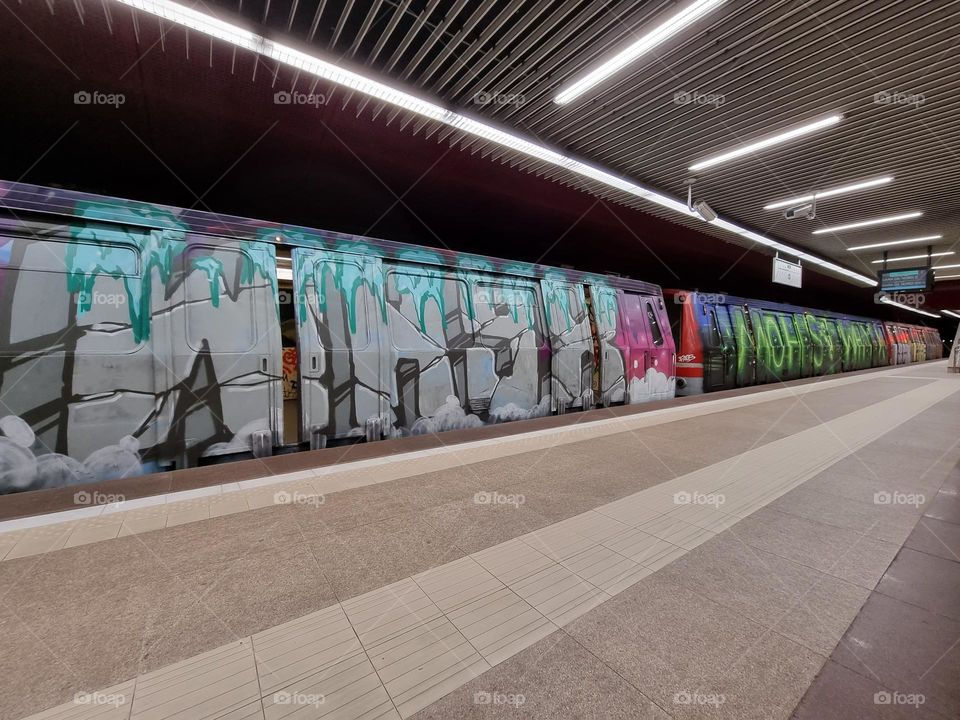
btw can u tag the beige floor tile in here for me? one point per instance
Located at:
(112, 703)
(455, 584)
(558, 594)
(85, 534)
(216, 684)
(512, 561)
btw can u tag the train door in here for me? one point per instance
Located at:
(610, 372)
(338, 304)
(806, 344)
(746, 360)
(226, 352)
(792, 352)
(660, 376)
(719, 361)
(571, 342)
(834, 345)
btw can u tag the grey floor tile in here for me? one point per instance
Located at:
(908, 649)
(475, 526)
(841, 694)
(945, 507)
(936, 537)
(924, 580)
(665, 639)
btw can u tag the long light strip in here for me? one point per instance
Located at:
(951, 313)
(914, 257)
(946, 267)
(944, 277)
(869, 223)
(201, 22)
(626, 56)
(891, 243)
(888, 301)
(830, 193)
(749, 148)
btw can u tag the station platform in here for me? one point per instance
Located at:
(785, 551)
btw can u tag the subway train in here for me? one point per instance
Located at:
(137, 337)
(728, 342)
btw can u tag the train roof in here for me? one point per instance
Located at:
(90, 207)
(785, 307)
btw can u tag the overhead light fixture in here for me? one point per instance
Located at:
(888, 301)
(946, 267)
(951, 313)
(201, 22)
(753, 147)
(830, 193)
(891, 243)
(869, 223)
(914, 257)
(615, 64)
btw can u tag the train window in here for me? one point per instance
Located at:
(431, 308)
(55, 256)
(567, 312)
(96, 298)
(655, 326)
(504, 312)
(221, 308)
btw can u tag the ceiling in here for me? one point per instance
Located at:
(748, 68)
(751, 67)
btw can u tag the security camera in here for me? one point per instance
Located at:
(705, 211)
(807, 211)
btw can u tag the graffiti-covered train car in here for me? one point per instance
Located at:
(136, 337)
(727, 342)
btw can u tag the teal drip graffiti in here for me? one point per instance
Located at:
(260, 258)
(98, 251)
(349, 275)
(213, 269)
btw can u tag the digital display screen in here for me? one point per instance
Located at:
(906, 279)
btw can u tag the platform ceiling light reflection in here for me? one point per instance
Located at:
(914, 257)
(629, 54)
(888, 301)
(832, 192)
(202, 22)
(951, 313)
(869, 223)
(891, 243)
(766, 142)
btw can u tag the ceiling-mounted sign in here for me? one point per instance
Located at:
(919, 278)
(787, 273)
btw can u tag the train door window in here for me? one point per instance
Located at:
(337, 299)
(715, 339)
(221, 313)
(724, 326)
(431, 306)
(654, 325)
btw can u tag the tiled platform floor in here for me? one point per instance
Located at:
(601, 594)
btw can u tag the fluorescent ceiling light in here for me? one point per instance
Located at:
(615, 64)
(945, 267)
(951, 313)
(890, 243)
(830, 193)
(888, 301)
(914, 257)
(749, 148)
(207, 24)
(868, 223)
(945, 277)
